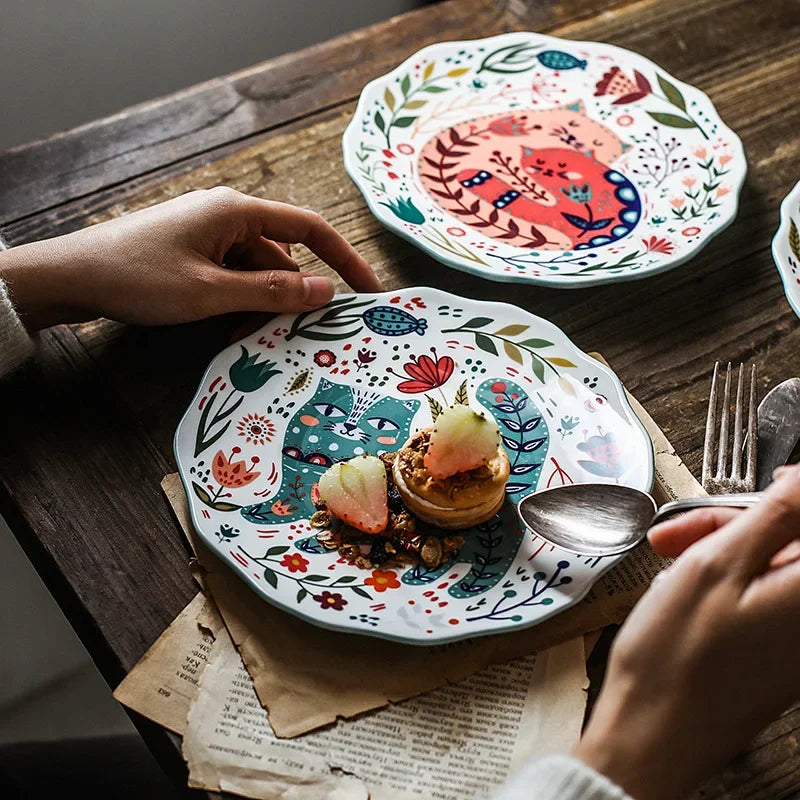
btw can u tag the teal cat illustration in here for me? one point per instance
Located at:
(336, 423)
(489, 548)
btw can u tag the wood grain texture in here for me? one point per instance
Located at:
(88, 426)
(261, 98)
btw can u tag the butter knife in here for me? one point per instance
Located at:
(778, 429)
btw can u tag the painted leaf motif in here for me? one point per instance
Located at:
(428, 71)
(477, 322)
(557, 361)
(579, 222)
(537, 365)
(462, 398)
(514, 488)
(512, 352)
(415, 104)
(359, 591)
(532, 444)
(794, 238)
(279, 550)
(404, 122)
(536, 343)
(672, 93)
(457, 73)
(511, 58)
(270, 577)
(388, 98)
(379, 121)
(522, 469)
(510, 444)
(566, 386)
(435, 406)
(405, 85)
(301, 594)
(434, 89)
(511, 424)
(485, 344)
(222, 505)
(672, 120)
(512, 330)
(201, 493)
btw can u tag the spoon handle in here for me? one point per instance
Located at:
(740, 500)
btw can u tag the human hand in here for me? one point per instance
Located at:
(710, 654)
(164, 264)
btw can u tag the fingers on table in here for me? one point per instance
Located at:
(672, 537)
(292, 224)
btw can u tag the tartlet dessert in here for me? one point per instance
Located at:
(402, 505)
(453, 474)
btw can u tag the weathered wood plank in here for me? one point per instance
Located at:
(263, 97)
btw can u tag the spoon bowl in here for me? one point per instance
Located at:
(600, 519)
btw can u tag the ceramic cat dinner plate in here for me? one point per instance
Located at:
(276, 409)
(528, 158)
(786, 247)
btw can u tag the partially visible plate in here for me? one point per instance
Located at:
(358, 376)
(522, 157)
(786, 247)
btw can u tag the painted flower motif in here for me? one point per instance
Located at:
(230, 473)
(381, 581)
(605, 455)
(457, 232)
(624, 120)
(616, 83)
(294, 562)
(676, 202)
(404, 208)
(282, 508)
(723, 160)
(498, 387)
(324, 358)
(510, 125)
(426, 373)
(700, 152)
(656, 245)
(365, 357)
(332, 600)
(248, 374)
(692, 231)
(256, 429)
(722, 191)
(689, 182)
(578, 194)
(406, 149)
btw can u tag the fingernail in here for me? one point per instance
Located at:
(319, 290)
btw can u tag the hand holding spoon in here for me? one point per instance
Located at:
(600, 519)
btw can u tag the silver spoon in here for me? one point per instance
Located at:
(601, 519)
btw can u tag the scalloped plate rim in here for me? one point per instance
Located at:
(785, 217)
(378, 633)
(567, 281)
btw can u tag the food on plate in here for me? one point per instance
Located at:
(399, 508)
(354, 491)
(453, 474)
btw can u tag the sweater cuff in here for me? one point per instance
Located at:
(559, 777)
(15, 343)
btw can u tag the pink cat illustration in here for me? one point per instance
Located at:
(537, 178)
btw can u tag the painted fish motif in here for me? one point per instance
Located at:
(388, 321)
(556, 59)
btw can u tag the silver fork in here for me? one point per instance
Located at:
(725, 480)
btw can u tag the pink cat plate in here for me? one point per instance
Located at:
(276, 409)
(522, 157)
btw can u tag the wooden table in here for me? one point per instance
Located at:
(87, 427)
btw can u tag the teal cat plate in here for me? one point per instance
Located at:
(528, 158)
(786, 247)
(276, 409)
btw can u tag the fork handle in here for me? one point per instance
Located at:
(740, 500)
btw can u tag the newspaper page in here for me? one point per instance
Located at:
(457, 741)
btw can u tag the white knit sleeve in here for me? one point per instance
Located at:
(15, 343)
(559, 778)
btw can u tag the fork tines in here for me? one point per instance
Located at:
(725, 480)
